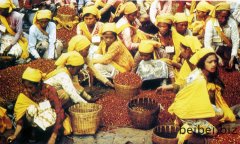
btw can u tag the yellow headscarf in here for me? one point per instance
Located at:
(192, 42)
(42, 14)
(7, 4)
(147, 46)
(72, 58)
(78, 43)
(164, 18)
(32, 74)
(180, 17)
(109, 27)
(91, 10)
(200, 54)
(129, 7)
(204, 6)
(219, 7)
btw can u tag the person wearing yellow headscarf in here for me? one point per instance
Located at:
(12, 41)
(197, 20)
(112, 56)
(62, 78)
(81, 44)
(34, 94)
(90, 27)
(42, 37)
(194, 104)
(222, 35)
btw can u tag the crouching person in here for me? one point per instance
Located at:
(38, 111)
(42, 37)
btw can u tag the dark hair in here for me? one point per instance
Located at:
(114, 34)
(36, 84)
(88, 14)
(212, 77)
(183, 46)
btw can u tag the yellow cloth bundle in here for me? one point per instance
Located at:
(78, 43)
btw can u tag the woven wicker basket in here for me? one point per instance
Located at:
(126, 92)
(65, 18)
(165, 134)
(146, 117)
(85, 118)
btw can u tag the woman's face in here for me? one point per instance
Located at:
(163, 28)
(211, 63)
(181, 27)
(84, 52)
(131, 17)
(30, 87)
(145, 56)
(109, 38)
(43, 23)
(90, 20)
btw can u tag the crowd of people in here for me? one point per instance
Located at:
(179, 44)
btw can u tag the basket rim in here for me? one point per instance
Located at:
(98, 105)
(127, 86)
(159, 137)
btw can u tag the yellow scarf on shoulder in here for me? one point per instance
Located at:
(56, 71)
(22, 41)
(23, 102)
(85, 30)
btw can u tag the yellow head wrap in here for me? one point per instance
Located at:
(42, 14)
(129, 7)
(91, 10)
(164, 18)
(72, 58)
(200, 54)
(219, 7)
(78, 43)
(7, 4)
(180, 17)
(147, 46)
(32, 74)
(204, 6)
(109, 27)
(192, 42)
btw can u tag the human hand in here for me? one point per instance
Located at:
(11, 138)
(7, 49)
(230, 63)
(108, 83)
(52, 139)
(220, 61)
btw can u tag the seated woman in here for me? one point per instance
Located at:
(112, 56)
(81, 44)
(36, 94)
(197, 110)
(11, 22)
(68, 66)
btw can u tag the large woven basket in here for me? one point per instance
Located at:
(125, 91)
(65, 18)
(143, 112)
(165, 134)
(85, 118)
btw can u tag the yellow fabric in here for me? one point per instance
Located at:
(204, 6)
(176, 41)
(220, 102)
(223, 36)
(99, 3)
(56, 71)
(82, 26)
(72, 58)
(22, 103)
(109, 27)
(192, 42)
(117, 55)
(180, 17)
(200, 54)
(147, 46)
(22, 41)
(67, 126)
(69, 25)
(192, 102)
(32, 74)
(219, 7)
(164, 18)
(7, 4)
(129, 7)
(193, 5)
(78, 43)
(42, 14)
(91, 10)
(183, 74)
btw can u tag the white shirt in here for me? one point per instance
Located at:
(213, 40)
(35, 35)
(63, 81)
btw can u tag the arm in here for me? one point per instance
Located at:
(234, 38)
(52, 40)
(16, 133)
(137, 60)
(32, 42)
(19, 30)
(208, 34)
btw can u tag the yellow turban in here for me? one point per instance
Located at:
(204, 6)
(32, 74)
(129, 7)
(219, 7)
(200, 54)
(164, 18)
(7, 4)
(91, 10)
(72, 58)
(78, 43)
(42, 14)
(180, 17)
(109, 27)
(192, 42)
(147, 46)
